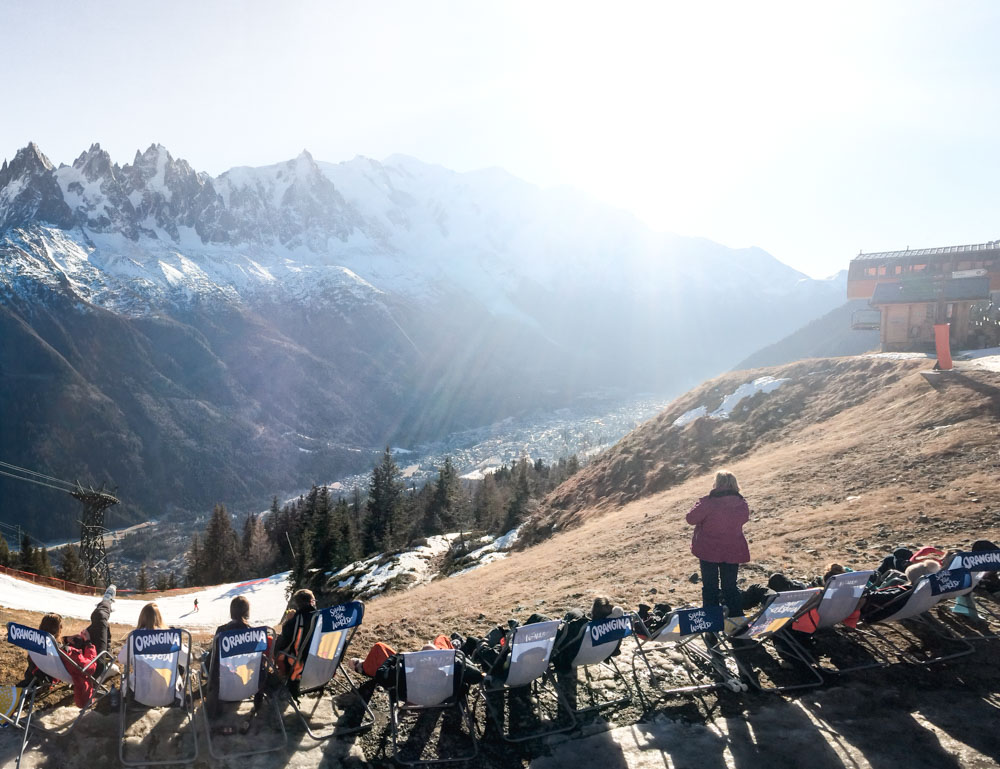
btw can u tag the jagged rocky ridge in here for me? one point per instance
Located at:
(196, 339)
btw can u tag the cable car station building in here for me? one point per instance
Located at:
(910, 291)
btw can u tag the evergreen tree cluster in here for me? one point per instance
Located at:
(223, 555)
(29, 558)
(316, 532)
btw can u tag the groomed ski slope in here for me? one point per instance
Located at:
(266, 595)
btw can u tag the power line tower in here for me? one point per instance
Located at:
(92, 532)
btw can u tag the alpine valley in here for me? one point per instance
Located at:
(192, 339)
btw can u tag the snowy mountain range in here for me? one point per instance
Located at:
(259, 326)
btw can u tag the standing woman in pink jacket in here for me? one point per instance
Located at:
(718, 541)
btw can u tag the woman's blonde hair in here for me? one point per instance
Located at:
(726, 481)
(149, 618)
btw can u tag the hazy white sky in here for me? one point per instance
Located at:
(811, 130)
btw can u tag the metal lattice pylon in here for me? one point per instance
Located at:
(92, 532)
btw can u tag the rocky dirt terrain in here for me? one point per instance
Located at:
(844, 461)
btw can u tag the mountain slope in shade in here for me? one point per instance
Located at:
(826, 337)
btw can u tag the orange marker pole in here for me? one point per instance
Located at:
(943, 343)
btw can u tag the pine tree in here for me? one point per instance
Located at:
(220, 550)
(322, 530)
(279, 528)
(26, 559)
(193, 577)
(342, 550)
(522, 494)
(44, 564)
(161, 582)
(71, 568)
(5, 559)
(257, 551)
(303, 560)
(488, 508)
(385, 496)
(172, 582)
(142, 585)
(449, 500)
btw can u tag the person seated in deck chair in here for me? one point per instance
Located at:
(82, 648)
(78, 649)
(885, 601)
(239, 611)
(571, 633)
(492, 652)
(891, 565)
(652, 618)
(289, 643)
(151, 619)
(380, 662)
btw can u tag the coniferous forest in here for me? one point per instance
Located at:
(319, 531)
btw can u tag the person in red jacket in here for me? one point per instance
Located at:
(82, 648)
(78, 649)
(718, 541)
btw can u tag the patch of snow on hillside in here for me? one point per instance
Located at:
(689, 416)
(988, 359)
(493, 551)
(373, 575)
(898, 355)
(764, 384)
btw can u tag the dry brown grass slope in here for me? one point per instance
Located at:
(847, 459)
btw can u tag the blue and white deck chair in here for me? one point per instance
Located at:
(320, 657)
(429, 681)
(524, 672)
(681, 632)
(239, 656)
(914, 606)
(45, 653)
(601, 639)
(157, 674)
(776, 616)
(979, 564)
(841, 598)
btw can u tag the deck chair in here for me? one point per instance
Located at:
(51, 660)
(681, 633)
(966, 604)
(835, 618)
(766, 627)
(157, 674)
(319, 658)
(239, 656)
(523, 672)
(914, 606)
(428, 681)
(601, 639)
